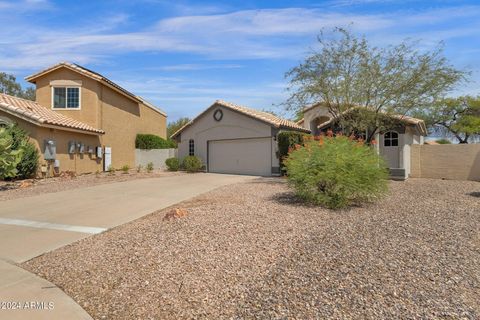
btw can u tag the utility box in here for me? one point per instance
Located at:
(50, 150)
(99, 152)
(81, 148)
(72, 145)
(107, 162)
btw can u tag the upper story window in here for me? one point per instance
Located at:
(390, 139)
(66, 98)
(191, 147)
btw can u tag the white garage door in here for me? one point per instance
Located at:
(241, 156)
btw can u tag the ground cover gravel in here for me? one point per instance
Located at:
(252, 250)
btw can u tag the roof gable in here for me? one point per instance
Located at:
(264, 117)
(95, 76)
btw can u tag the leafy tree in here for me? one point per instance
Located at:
(347, 71)
(9, 85)
(458, 117)
(175, 125)
(9, 158)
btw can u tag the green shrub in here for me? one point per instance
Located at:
(286, 140)
(111, 170)
(192, 163)
(443, 141)
(173, 164)
(125, 168)
(151, 141)
(28, 165)
(336, 172)
(139, 168)
(9, 158)
(149, 167)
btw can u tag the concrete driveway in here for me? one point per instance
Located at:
(35, 225)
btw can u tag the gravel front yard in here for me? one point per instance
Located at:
(32, 187)
(250, 251)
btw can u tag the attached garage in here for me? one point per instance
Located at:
(240, 156)
(234, 139)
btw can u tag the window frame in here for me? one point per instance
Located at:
(391, 139)
(66, 97)
(191, 147)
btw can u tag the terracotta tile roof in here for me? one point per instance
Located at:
(410, 120)
(96, 76)
(266, 117)
(36, 114)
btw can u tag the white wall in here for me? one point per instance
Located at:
(156, 156)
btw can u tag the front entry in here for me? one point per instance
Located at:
(390, 149)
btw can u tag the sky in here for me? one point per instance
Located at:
(183, 55)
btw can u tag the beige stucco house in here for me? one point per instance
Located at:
(81, 121)
(234, 139)
(394, 145)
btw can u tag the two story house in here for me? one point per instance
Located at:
(81, 121)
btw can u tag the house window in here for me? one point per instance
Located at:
(390, 139)
(191, 147)
(66, 98)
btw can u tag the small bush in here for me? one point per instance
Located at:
(443, 141)
(125, 168)
(151, 141)
(173, 164)
(111, 170)
(192, 164)
(149, 167)
(139, 168)
(336, 172)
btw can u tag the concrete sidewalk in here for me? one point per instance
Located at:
(35, 225)
(25, 296)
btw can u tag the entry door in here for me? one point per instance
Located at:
(390, 149)
(241, 156)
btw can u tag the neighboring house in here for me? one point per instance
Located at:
(393, 144)
(234, 139)
(82, 121)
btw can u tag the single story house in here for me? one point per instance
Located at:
(81, 121)
(234, 139)
(394, 145)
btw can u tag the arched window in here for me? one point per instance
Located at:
(390, 139)
(191, 147)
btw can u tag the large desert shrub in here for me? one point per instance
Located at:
(27, 167)
(9, 158)
(336, 172)
(192, 164)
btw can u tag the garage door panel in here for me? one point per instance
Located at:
(240, 156)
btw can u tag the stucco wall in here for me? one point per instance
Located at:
(455, 161)
(232, 126)
(104, 108)
(80, 163)
(89, 112)
(155, 156)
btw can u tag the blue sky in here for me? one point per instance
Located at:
(183, 55)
